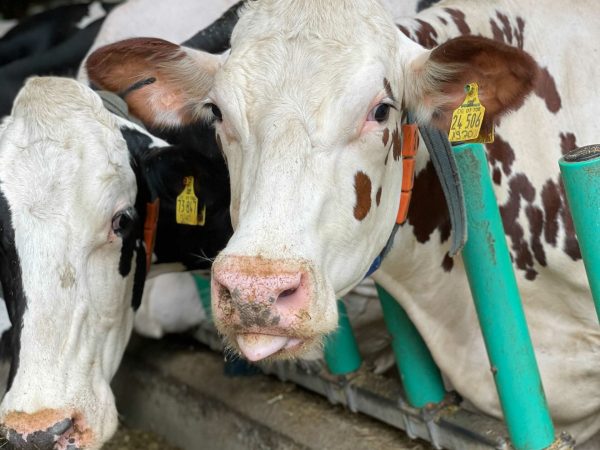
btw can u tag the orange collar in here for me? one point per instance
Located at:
(150, 225)
(410, 144)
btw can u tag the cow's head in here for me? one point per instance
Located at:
(307, 107)
(74, 183)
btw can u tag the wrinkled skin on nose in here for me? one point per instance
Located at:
(264, 306)
(45, 430)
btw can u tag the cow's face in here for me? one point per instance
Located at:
(307, 108)
(67, 263)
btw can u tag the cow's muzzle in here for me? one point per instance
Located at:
(262, 305)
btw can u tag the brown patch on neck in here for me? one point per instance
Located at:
(567, 142)
(378, 196)
(428, 210)
(459, 20)
(404, 30)
(362, 187)
(426, 34)
(500, 152)
(545, 88)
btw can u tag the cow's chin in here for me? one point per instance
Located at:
(257, 347)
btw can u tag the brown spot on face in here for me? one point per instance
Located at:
(386, 136)
(501, 152)
(459, 20)
(447, 263)
(567, 142)
(426, 34)
(545, 88)
(396, 144)
(378, 197)
(362, 187)
(444, 21)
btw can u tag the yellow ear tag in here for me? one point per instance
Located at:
(186, 212)
(468, 117)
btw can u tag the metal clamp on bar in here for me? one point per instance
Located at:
(499, 310)
(580, 170)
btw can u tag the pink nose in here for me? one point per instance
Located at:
(260, 301)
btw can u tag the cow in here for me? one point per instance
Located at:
(307, 108)
(52, 42)
(75, 181)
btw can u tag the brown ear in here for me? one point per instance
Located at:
(161, 82)
(436, 81)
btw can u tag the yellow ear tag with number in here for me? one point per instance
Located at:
(186, 212)
(468, 117)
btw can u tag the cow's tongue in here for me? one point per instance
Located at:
(256, 346)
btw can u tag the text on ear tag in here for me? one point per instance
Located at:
(468, 117)
(186, 212)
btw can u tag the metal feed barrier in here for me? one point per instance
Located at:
(421, 406)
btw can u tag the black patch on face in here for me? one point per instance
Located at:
(12, 288)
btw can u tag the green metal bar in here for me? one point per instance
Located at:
(420, 376)
(341, 351)
(203, 287)
(498, 304)
(581, 175)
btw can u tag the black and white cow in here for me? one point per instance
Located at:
(307, 109)
(74, 183)
(52, 42)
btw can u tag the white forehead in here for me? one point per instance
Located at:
(61, 152)
(314, 59)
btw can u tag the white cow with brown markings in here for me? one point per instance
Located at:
(308, 106)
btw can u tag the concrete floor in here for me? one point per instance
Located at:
(178, 390)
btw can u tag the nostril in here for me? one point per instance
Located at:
(288, 292)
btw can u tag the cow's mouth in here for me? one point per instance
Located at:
(257, 346)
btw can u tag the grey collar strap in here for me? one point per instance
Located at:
(445, 166)
(116, 105)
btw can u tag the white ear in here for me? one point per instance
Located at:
(436, 79)
(163, 83)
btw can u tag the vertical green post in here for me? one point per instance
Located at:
(498, 304)
(581, 175)
(341, 351)
(203, 287)
(420, 376)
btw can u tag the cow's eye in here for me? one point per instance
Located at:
(123, 221)
(215, 111)
(379, 113)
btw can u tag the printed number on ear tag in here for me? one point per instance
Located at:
(468, 117)
(186, 212)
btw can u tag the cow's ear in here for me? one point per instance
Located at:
(163, 83)
(436, 79)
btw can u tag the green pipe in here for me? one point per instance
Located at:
(420, 376)
(341, 351)
(498, 304)
(203, 287)
(581, 176)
